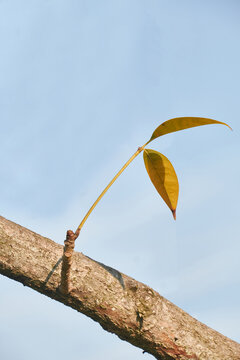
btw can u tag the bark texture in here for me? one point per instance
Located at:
(120, 304)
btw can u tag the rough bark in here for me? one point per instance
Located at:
(122, 305)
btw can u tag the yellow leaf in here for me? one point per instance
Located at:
(163, 177)
(182, 123)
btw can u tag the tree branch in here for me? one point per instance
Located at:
(120, 304)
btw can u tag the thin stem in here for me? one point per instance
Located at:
(108, 186)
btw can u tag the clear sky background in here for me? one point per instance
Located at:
(82, 85)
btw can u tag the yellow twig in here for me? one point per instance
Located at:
(108, 186)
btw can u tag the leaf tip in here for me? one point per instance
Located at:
(227, 125)
(174, 214)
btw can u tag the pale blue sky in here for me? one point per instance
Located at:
(82, 85)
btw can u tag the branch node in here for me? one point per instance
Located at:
(69, 243)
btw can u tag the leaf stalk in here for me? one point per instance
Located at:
(139, 150)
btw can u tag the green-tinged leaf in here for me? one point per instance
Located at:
(182, 123)
(163, 177)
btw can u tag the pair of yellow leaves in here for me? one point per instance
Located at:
(159, 168)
